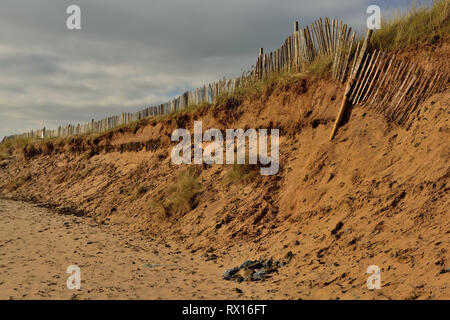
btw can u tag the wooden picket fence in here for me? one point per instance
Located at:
(378, 80)
(395, 87)
(388, 85)
(207, 93)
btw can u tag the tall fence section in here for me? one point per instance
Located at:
(379, 80)
(395, 87)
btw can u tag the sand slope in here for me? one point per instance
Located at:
(376, 195)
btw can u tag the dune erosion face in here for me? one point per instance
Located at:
(376, 195)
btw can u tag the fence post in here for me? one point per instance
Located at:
(260, 62)
(296, 45)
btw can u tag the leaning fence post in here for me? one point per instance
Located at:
(350, 83)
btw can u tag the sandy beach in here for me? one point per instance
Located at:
(37, 245)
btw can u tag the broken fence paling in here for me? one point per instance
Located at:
(394, 87)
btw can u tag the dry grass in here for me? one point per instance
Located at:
(419, 24)
(141, 190)
(9, 144)
(181, 196)
(87, 155)
(255, 90)
(190, 109)
(321, 66)
(17, 183)
(242, 173)
(186, 188)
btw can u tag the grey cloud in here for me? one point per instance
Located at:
(32, 64)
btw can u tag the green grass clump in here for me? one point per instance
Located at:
(87, 155)
(8, 144)
(321, 66)
(419, 24)
(256, 90)
(252, 91)
(182, 195)
(243, 173)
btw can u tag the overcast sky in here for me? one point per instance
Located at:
(135, 53)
